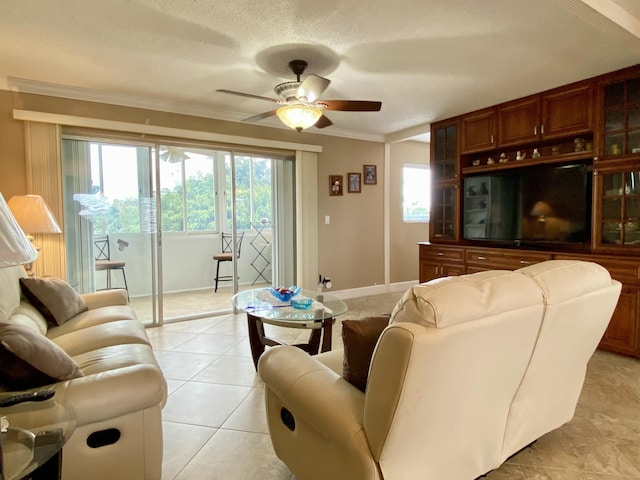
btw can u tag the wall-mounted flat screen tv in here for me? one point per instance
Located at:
(543, 204)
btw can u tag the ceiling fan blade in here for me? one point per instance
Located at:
(322, 122)
(260, 116)
(248, 95)
(352, 105)
(312, 87)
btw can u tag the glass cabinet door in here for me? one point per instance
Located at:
(444, 208)
(445, 152)
(620, 219)
(622, 118)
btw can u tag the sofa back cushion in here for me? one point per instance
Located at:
(580, 298)
(449, 301)
(30, 312)
(10, 291)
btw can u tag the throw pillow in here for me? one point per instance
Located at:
(359, 338)
(54, 298)
(30, 360)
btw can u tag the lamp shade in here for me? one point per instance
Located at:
(541, 209)
(33, 214)
(15, 248)
(299, 116)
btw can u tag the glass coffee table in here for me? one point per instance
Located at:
(262, 307)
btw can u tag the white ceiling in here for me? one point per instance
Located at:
(424, 59)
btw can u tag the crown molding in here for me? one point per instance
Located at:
(88, 122)
(89, 95)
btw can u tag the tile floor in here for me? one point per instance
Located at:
(215, 427)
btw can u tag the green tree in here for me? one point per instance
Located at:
(253, 201)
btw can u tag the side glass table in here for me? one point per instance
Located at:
(31, 446)
(261, 307)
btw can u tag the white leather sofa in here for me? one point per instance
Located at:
(470, 370)
(122, 391)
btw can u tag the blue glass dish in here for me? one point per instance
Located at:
(285, 297)
(301, 303)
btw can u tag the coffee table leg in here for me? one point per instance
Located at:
(256, 334)
(327, 329)
(323, 333)
(314, 342)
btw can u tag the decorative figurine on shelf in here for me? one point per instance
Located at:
(504, 158)
(536, 153)
(579, 144)
(476, 162)
(521, 155)
(483, 189)
(588, 146)
(490, 161)
(471, 191)
(555, 150)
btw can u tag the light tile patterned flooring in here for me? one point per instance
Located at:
(215, 427)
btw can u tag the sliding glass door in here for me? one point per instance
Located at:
(110, 220)
(205, 194)
(163, 209)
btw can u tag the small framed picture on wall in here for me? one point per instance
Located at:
(335, 185)
(354, 182)
(370, 175)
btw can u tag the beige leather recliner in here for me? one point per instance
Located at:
(470, 370)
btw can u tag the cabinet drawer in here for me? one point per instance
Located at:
(501, 260)
(481, 257)
(433, 252)
(522, 259)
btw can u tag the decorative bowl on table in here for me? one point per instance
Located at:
(284, 294)
(301, 303)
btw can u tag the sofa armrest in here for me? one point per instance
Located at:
(105, 298)
(311, 390)
(111, 394)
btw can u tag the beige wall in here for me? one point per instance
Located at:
(351, 248)
(403, 237)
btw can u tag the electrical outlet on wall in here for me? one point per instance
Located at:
(323, 282)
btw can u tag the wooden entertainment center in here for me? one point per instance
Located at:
(594, 122)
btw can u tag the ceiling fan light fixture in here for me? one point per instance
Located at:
(299, 117)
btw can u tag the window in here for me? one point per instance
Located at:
(253, 190)
(188, 190)
(416, 187)
(195, 187)
(114, 174)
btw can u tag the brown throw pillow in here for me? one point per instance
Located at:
(54, 298)
(359, 338)
(30, 360)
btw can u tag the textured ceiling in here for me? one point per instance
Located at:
(424, 59)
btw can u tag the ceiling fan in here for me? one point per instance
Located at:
(300, 107)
